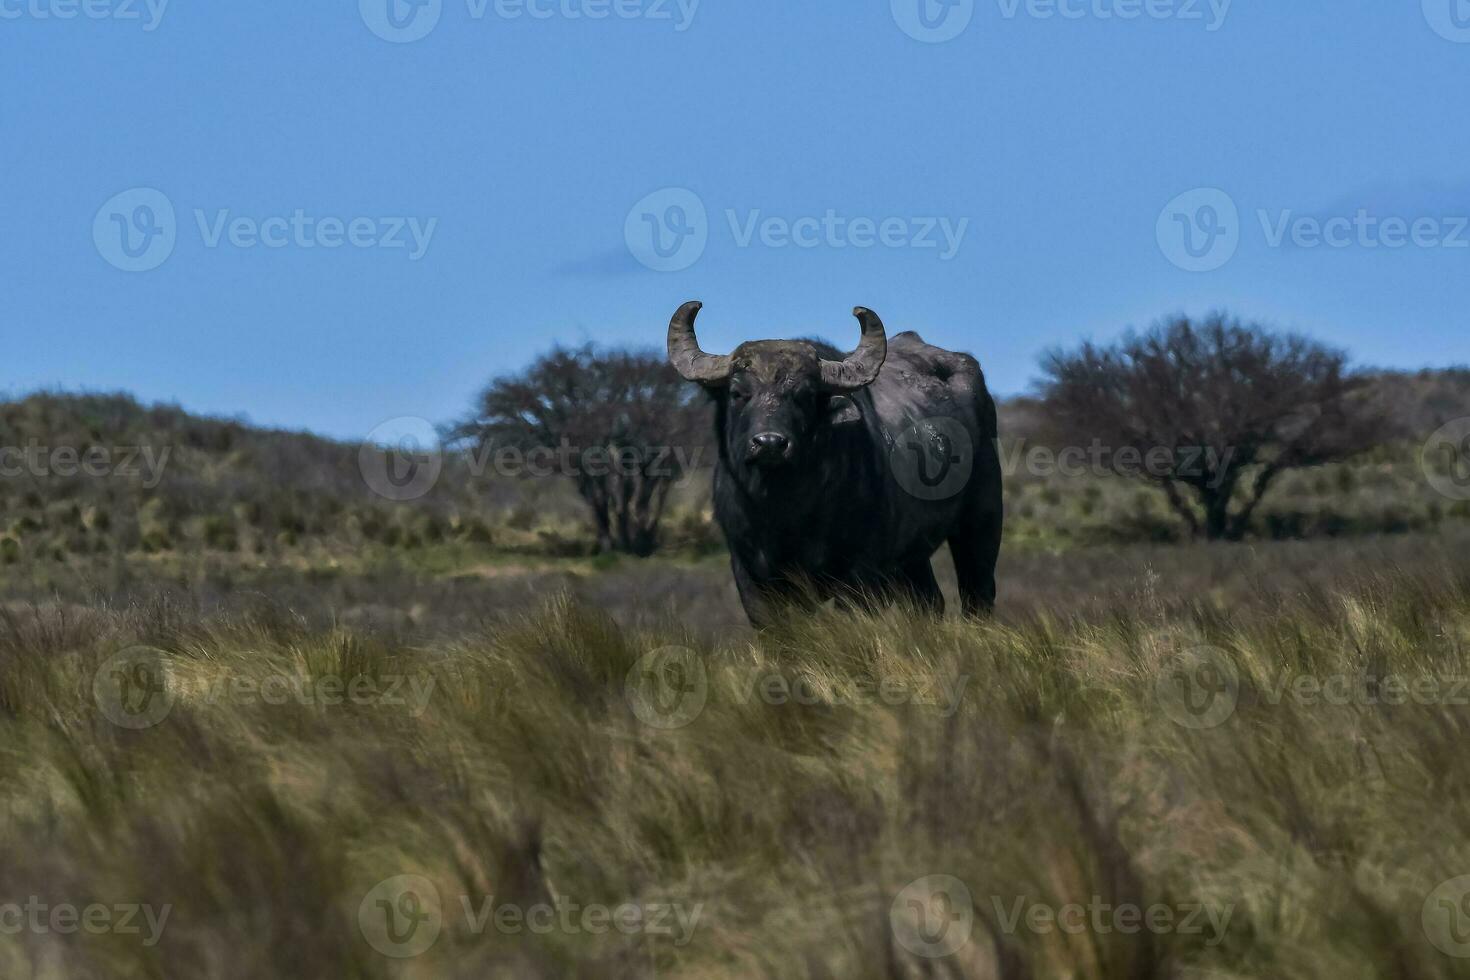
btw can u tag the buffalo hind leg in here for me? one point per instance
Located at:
(975, 547)
(912, 583)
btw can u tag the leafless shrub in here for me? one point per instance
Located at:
(613, 420)
(1231, 406)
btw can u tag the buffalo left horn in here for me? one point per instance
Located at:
(692, 363)
(859, 368)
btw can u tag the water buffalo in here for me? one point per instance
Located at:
(839, 476)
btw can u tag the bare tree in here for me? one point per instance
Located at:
(1224, 409)
(620, 423)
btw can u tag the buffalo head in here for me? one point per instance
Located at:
(776, 395)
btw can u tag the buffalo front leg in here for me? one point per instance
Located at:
(920, 587)
(765, 598)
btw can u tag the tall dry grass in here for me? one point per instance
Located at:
(765, 806)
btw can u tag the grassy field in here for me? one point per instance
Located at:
(258, 722)
(1205, 761)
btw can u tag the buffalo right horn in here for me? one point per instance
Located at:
(861, 366)
(692, 363)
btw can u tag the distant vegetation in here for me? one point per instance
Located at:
(224, 486)
(1213, 413)
(221, 486)
(1381, 491)
(621, 425)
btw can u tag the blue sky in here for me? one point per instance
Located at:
(369, 223)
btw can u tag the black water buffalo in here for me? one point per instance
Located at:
(839, 476)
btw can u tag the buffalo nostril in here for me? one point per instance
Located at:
(769, 442)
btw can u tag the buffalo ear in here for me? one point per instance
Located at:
(842, 411)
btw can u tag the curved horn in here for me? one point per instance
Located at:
(692, 363)
(860, 367)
